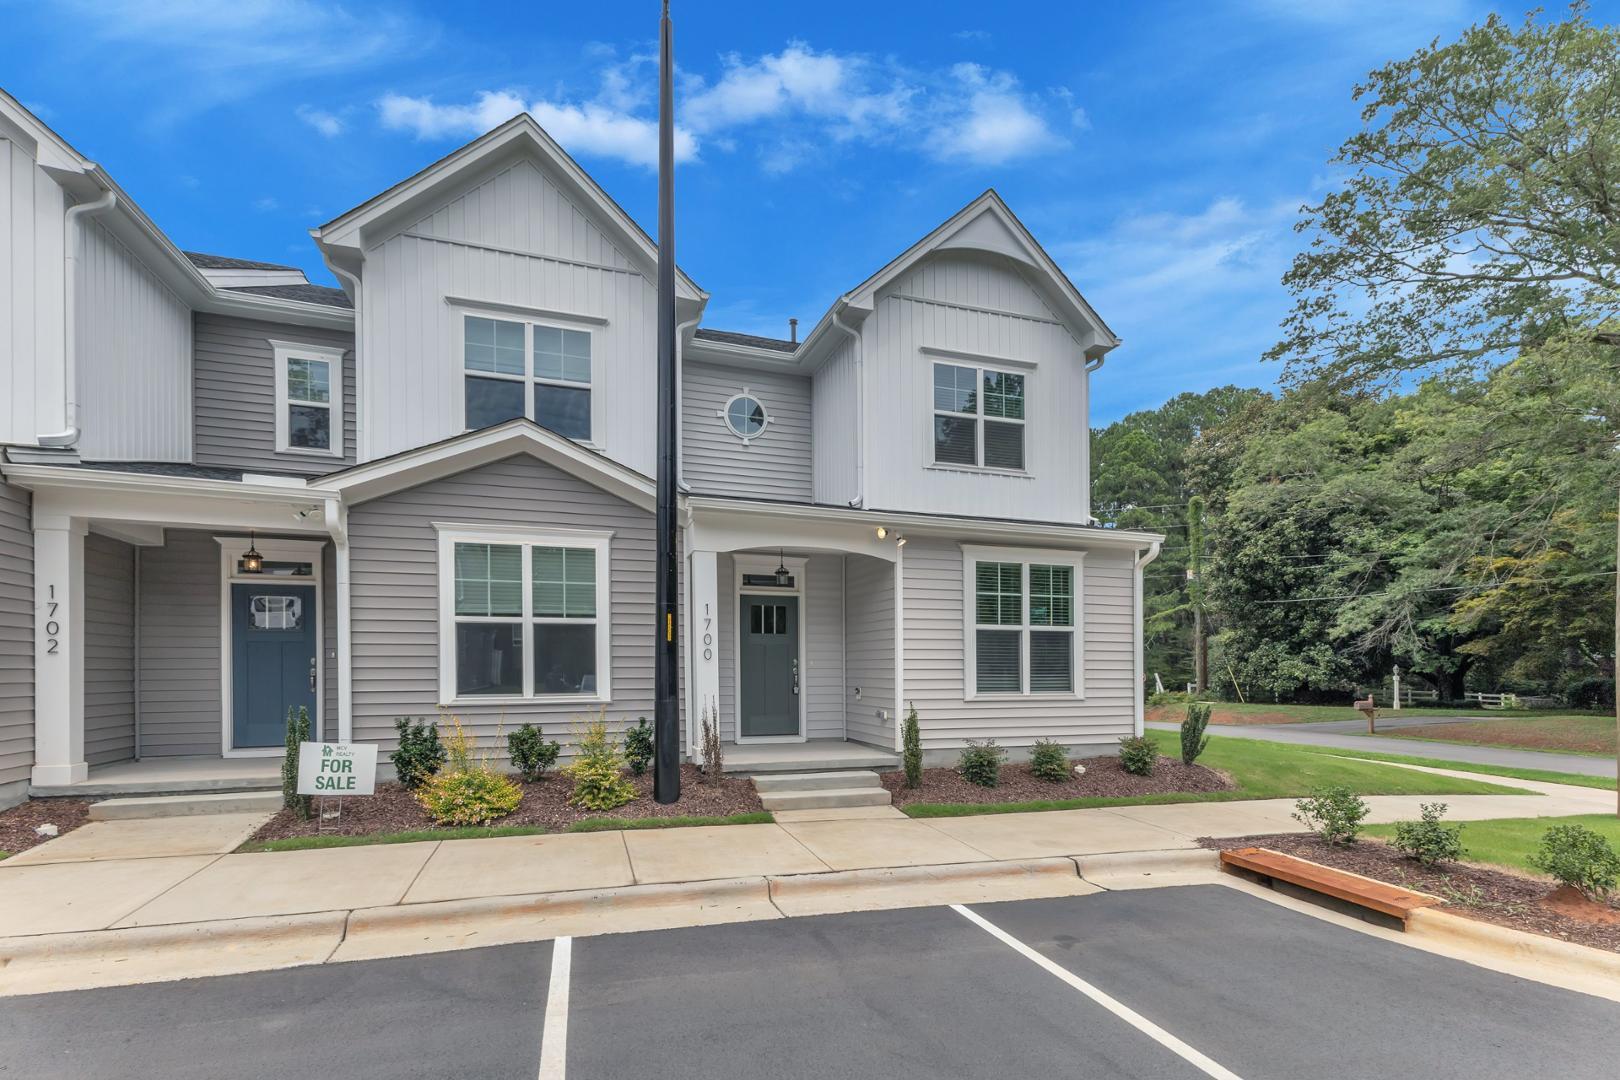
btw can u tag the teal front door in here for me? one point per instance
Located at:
(768, 701)
(273, 642)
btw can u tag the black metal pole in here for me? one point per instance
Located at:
(667, 714)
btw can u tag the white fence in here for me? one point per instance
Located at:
(1408, 696)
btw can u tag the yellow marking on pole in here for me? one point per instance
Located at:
(669, 626)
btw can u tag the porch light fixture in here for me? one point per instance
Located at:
(883, 534)
(783, 578)
(252, 561)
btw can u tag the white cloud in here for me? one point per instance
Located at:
(266, 204)
(783, 106)
(324, 122)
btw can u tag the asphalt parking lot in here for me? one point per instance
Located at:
(1177, 982)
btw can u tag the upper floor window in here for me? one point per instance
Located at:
(745, 416)
(978, 417)
(1022, 625)
(515, 367)
(309, 418)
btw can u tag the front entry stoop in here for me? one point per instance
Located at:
(821, 790)
(160, 806)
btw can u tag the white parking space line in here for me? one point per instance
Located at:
(1141, 1023)
(554, 1036)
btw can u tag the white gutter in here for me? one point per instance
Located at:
(337, 523)
(69, 435)
(860, 407)
(1139, 659)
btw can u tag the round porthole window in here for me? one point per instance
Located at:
(745, 416)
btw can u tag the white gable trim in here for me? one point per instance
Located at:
(427, 463)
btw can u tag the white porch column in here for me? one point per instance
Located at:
(899, 642)
(703, 642)
(59, 649)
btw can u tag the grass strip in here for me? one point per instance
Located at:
(409, 836)
(1510, 842)
(753, 817)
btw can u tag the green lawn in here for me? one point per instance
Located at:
(1259, 712)
(413, 836)
(1262, 770)
(1562, 733)
(1511, 841)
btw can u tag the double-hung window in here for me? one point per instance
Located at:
(978, 417)
(523, 616)
(309, 419)
(518, 367)
(1022, 628)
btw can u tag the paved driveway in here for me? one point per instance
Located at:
(1175, 982)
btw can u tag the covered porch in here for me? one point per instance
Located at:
(178, 615)
(793, 646)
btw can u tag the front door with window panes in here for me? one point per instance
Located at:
(273, 662)
(1024, 628)
(518, 368)
(768, 697)
(978, 417)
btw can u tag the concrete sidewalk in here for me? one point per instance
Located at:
(1333, 734)
(87, 891)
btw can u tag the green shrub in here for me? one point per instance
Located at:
(476, 796)
(638, 746)
(1334, 813)
(911, 743)
(1579, 857)
(980, 762)
(1049, 761)
(420, 754)
(1427, 840)
(1137, 755)
(1591, 692)
(1193, 739)
(598, 769)
(297, 732)
(531, 752)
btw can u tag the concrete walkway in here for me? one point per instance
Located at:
(154, 891)
(1332, 734)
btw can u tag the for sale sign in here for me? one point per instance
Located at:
(337, 768)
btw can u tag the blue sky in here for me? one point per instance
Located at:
(1159, 152)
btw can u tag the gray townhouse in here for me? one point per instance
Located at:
(226, 491)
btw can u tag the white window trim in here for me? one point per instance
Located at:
(977, 416)
(970, 655)
(528, 378)
(333, 358)
(451, 534)
(725, 415)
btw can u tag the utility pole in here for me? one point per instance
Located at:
(666, 709)
(1195, 590)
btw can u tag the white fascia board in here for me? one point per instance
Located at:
(424, 464)
(277, 309)
(1079, 536)
(43, 477)
(742, 356)
(120, 497)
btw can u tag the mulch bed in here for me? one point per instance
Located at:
(393, 809)
(1103, 779)
(1488, 894)
(17, 825)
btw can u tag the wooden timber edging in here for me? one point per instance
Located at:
(1349, 888)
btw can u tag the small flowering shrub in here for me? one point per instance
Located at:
(598, 770)
(467, 790)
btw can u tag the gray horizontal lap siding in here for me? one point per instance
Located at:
(16, 636)
(935, 659)
(109, 650)
(869, 647)
(234, 387)
(394, 595)
(774, 465)
(179, 650)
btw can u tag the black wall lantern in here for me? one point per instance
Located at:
(252, 561)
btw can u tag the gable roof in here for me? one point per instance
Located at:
(325, 295)
(422, 464)
(732, 337)
(224, 262)
(519, 136)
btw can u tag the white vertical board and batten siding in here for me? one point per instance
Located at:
(16, 636)
(235, 395)
(773, 465)
(935, 645)
(32, 208)
(134, 356)
(513, 239)
(981, 306)
(394, 595)
(869, 649)
(833, 416)
(109, 650)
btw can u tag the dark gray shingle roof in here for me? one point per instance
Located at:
(222, 262)
(308, 294)
(754, 341)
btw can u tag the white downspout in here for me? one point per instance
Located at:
(337, 524)
(680, 381)
(69, 435)
(860, 411)
(1138, 660)
(353, 281)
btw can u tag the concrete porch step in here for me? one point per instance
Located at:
(817, 781)
(811, 757)
(160, 806)
(824, 798)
